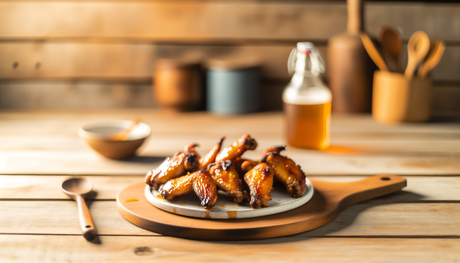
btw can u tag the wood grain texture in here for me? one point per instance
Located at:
(365, 219)
(76, 60)
(61, 162)
(165, 249)
(162, 143)
(75, 95)
(134, 61)
(203, 20)
(418, 224)
(66, 122)
(186, 20)
(361, 146)
(23, 187)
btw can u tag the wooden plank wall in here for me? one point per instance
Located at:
(100, 54)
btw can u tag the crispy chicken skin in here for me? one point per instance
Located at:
(191, 149)
(260, 182)
(227, 179)
(243, 165)
(287, 171)
(237, 148)
(276, 149)
(171, 168)
(200, 182)
(209, 158)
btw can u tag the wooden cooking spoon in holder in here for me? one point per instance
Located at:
(398, 99)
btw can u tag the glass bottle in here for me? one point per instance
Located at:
(307, 100)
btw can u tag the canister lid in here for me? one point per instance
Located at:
(232, 62)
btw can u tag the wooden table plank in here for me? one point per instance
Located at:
(167, 249)
(165, 142)
(23, 187)
(65, 122)
(74, 162)
(364, 219)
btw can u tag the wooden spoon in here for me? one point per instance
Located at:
(391, 43)
(124, 135)
(77, 188)
(373, 52)
(417, 49)
(435, 55)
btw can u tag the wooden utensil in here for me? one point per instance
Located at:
(417, 49)
(396, 98)
(124, 135)
(77, 188)
(373, 52)
(434, 56)
(391, 44)
(350, 67)
(328, 200)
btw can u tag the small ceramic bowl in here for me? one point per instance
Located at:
(97, 135)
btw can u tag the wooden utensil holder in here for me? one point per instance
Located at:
(398, 99)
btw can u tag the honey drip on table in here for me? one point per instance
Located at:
(131, 200)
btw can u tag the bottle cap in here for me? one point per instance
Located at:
(305, 46)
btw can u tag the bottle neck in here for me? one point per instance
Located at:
(307, 66)
(300, 81)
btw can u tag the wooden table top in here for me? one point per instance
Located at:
(38, 149)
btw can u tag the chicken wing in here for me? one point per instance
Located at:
(237, 148)
(287, 171)
(200, 182)
(276, 149)
(227, 179)
(171, 168)
(209, 158)
(242, 165)
(260, 182)
(191, 149)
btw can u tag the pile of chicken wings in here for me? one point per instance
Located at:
(186, 171)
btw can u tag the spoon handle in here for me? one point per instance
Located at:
(86, 221)
(410, 68)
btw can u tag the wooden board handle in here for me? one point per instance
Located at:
(355, 17)
(358, 191)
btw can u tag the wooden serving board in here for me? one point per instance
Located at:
(329, 199)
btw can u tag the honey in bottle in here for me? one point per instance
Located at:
(306, 100)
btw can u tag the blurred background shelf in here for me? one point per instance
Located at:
(51, 49)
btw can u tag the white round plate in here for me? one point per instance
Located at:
(225, 208)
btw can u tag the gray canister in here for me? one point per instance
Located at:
(232, 88)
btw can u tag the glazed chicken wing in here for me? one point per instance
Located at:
(242, 165)
(287, 171)
(209, 158)
(260, 182)
(237, 148)
(200, 182)
(276, 149)
(227, 179)
(171, 168)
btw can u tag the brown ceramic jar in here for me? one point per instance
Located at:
(177, 84)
